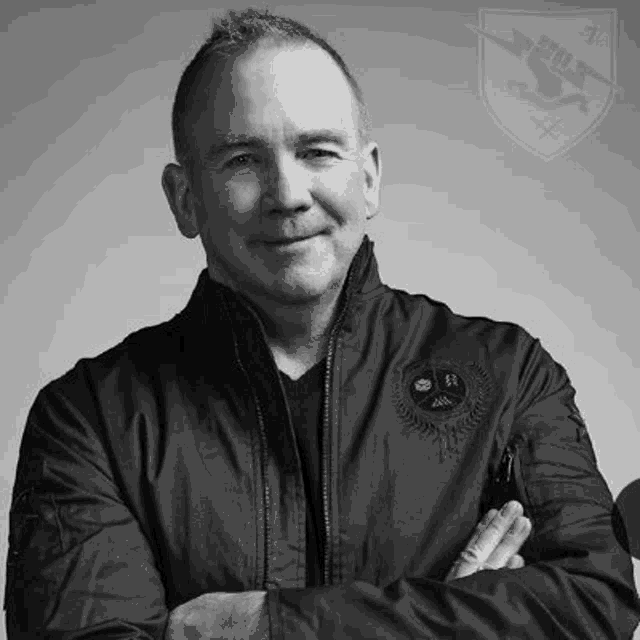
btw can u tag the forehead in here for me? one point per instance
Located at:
(273, 91)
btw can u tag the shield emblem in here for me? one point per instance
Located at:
(548, 78)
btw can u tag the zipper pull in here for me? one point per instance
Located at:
(507, 461)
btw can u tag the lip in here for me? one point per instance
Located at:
(278, 242)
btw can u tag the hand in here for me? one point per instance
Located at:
(495, 543)
(220, 616)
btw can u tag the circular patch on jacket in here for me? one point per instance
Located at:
(442, 397)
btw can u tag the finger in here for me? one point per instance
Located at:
(515, 562)
(477, 552)
(510, 543)
(484, 540)
(481, 526)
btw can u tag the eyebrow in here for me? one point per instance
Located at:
(228, 142)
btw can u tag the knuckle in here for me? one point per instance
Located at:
(518, 528)
(489, 516)
(470, 555)
(497, 527)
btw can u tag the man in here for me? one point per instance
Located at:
(304, 452)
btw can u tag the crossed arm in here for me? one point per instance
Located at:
(240, 616)
(79, 565)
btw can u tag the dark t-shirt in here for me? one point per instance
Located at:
(305, 396)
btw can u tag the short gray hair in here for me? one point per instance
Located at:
(235, 33)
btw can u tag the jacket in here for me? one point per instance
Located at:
(167, 467)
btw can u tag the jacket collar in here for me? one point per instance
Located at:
(210, 299)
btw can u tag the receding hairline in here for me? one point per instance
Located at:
(208, 75)
(224, 60)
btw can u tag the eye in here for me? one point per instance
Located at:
(320, 153)
(241, 160)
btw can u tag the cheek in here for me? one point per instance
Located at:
(239, 198)
(344, 192)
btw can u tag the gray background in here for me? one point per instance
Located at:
(90, 251)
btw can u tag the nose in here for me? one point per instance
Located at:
(287, 187)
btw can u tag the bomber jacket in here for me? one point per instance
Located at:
(167, 467)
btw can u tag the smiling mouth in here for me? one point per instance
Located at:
(288, 241)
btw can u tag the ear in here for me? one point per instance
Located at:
(372, 168)
(177, 189)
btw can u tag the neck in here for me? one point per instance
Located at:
(295, 331)
(298, 329)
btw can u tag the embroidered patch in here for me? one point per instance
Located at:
(443, 398)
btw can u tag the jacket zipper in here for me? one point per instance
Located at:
(508, 461)
(511, 472)
(326, 439)
(265, 485)
(326, 435)
(265, 494)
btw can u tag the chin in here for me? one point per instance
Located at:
(300, 282)
(301, 291)
(298, 285)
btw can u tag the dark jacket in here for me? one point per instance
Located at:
(167, 467)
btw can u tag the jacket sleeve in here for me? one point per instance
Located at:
(578, 582)
(79, 566)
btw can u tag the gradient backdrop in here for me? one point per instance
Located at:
(90, 251)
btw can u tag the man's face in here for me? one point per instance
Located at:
(277, 157)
